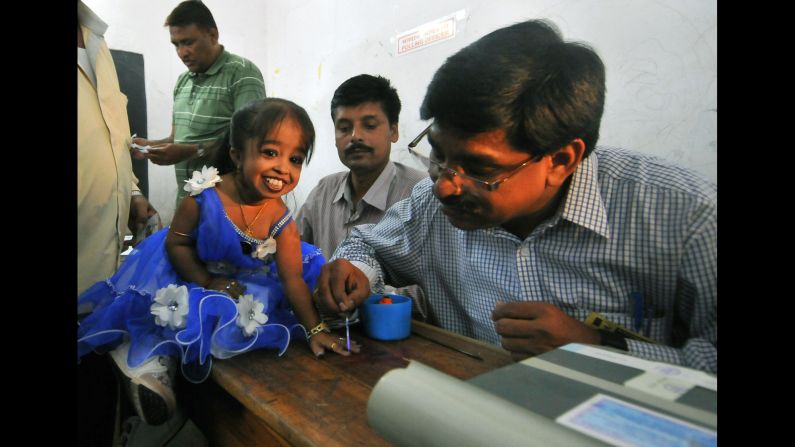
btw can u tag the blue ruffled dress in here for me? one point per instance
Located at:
(122, 304)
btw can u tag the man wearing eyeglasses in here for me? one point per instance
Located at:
(525, 227)
(365, 110)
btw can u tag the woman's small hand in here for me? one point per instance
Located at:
(322, 341)
(227, 285)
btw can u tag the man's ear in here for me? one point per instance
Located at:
(214, 35)
(395, 134)
(564, 162)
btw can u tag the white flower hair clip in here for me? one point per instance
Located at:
(249, 314)
(207, 178)
(171, 306)
(265, 249)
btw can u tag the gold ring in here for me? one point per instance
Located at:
(333, 344)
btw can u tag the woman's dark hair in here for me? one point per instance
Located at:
(255, 120)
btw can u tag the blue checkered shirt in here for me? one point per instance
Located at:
(629, 223)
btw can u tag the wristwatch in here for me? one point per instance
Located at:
(613, 339)
(200, 150)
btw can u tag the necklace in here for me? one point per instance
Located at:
(249, 225)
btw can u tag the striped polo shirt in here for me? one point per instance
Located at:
(204, 104)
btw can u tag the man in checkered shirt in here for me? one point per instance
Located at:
(525, 226)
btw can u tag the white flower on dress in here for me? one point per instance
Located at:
(171, 306)
(249, 314)
(265, 249)
(202, 180)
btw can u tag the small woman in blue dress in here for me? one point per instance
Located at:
(230, 274)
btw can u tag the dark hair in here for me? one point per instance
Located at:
(191, 12)
(255, 120)
(367, 88)
(525, 79)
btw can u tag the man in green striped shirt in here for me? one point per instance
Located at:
(216, 84)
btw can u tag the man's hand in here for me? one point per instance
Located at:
(341, 286)
(140, 211)
(530, 328)
(135, 152)
(170, 153)
(142, 141)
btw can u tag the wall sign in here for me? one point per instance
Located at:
(428, 34)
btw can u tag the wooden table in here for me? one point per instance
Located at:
(259, 398)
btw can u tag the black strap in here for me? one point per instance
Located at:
(613, 339)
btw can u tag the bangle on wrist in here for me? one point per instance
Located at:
(321, 327)
(200, 150)
(613, 339)
(180, 234)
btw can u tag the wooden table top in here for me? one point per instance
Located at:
(323, 402)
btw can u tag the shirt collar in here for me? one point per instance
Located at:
(89, 19)
(583, 204)
(216, 66)
(378, 193)
(343, 191)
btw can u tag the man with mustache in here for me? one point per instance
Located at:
(526, 226)
(365, 111)
(216, 84)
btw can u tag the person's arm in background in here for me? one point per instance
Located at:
(140, 212)
(145, 142)
(164, 151)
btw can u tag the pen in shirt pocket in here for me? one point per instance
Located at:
(638, 310)
(649, 311)
(643, 312)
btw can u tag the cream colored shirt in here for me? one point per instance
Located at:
(105, 179)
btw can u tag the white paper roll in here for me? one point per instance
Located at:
(420, 406)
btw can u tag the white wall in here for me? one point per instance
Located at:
(661, 60)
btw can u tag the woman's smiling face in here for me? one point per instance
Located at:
(271, 168)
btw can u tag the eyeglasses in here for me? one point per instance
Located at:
(436, 169)
(423, 158)
(488, 185)
(417, 140)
